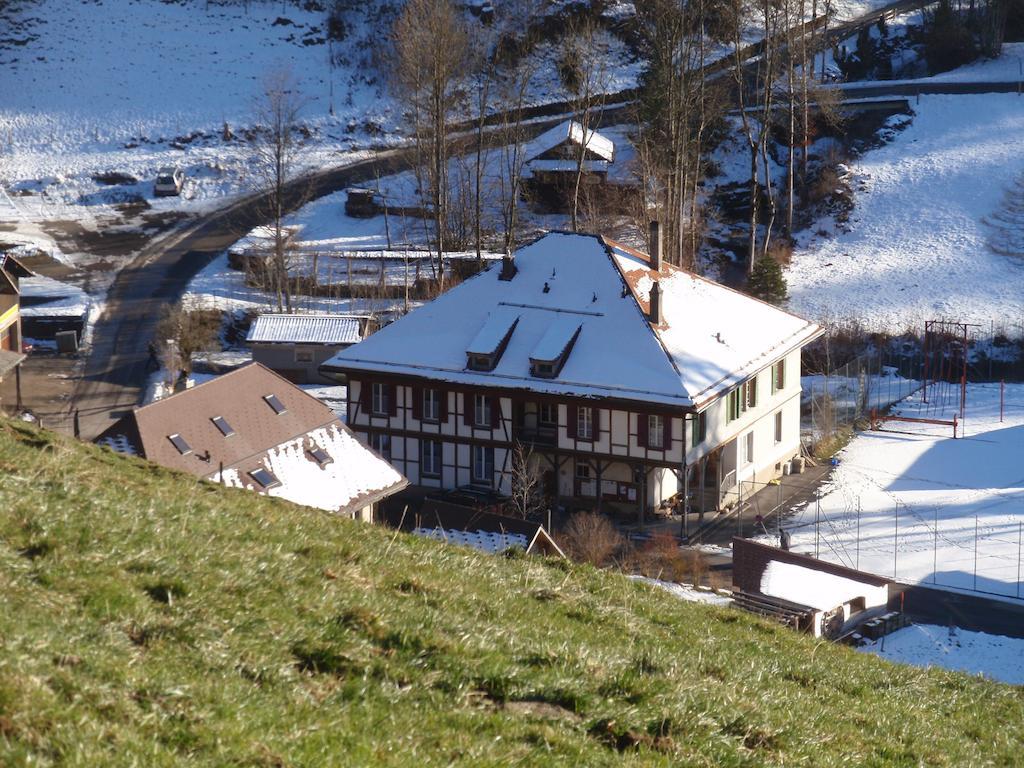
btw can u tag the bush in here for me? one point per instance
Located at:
(590, 537)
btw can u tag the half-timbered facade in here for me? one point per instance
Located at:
(624, 379)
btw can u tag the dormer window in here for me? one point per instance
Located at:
(553, 349)
(485, 350)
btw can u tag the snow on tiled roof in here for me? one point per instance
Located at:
(354, 476)
(603, 288)
(571, 131)
(557, 337)
(304, 329)
(714, 336)
(484, 541)
(494, 330)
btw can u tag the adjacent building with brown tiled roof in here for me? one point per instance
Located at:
(253, 429)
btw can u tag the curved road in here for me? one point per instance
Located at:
(115, 370)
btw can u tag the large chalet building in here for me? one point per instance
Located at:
(625, 378)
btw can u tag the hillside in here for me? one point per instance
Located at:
(151, 619)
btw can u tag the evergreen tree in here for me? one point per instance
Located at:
(766, 281)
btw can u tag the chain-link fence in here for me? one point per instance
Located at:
(833, 402)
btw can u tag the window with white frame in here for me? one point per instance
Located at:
(585, 423)
(380, 405)
(750, 395)
(381, 443)
(483, 465)
(482, 410)
(431, 405)
(548, 415)
(655, 431)
(778, 427)
(748, 448)
(430, 458)
(582, 471)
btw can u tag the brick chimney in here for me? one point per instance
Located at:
(656, 317)
(655, 238)
(508, 267)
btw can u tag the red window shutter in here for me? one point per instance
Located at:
(573, 424)
(495, 412)
(667, 432)
(468, 406)
(443, 410)
(596, 415)
(365, 397)
(641, 429)
(391, 394)
(417, 402)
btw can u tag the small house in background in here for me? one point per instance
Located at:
(253, 252)
(11, 355)
(50, 307)
(253, 429)
(363, 203)
(551, 160)
(295, 346)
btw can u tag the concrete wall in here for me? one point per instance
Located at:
(283, 359)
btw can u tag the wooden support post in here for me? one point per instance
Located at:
(703, 495)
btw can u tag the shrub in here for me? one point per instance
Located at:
(590, 537)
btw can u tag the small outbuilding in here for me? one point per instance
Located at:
(551, 161)
(295, 346)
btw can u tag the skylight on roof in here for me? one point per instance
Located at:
(265, 477)
(223, 426)
(179, 442)
(320, 456)
(275, 403)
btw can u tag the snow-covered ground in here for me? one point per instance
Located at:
(925, 645)
(688, 593)
(917, 245)
(914, 498)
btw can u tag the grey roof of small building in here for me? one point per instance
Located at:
(9, 361)
(305, 329)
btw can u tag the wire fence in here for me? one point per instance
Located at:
(976, 552)
(839, 399)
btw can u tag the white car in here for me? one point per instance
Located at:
(169, 182)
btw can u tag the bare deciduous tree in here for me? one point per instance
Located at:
(527, 497)
(431, 60)
(583, 70)
(591, 538)
(274, 153)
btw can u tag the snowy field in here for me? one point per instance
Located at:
(975, 653)
(917, 247)
(922, 497)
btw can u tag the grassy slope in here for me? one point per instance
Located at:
(147, 617)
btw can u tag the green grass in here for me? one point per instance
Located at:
(149, 619)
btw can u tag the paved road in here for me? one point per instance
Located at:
(116, 368)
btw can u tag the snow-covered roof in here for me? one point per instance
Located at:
(354, 477)
(496, 327)
(569, 131)
(46, 297)
(602, 288)
(485, 541)
(564, 166)
(252, 419)
(813, 588)
(304, 329)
